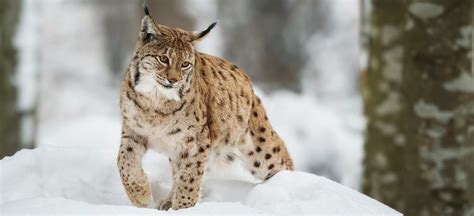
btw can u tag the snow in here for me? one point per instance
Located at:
(427, 110)
(466, 37)
(463, 83)
(392, 68)
(425, 10)
(389, 34)
(72, 180)
(391, 104)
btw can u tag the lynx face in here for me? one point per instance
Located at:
(169, 67)
(165, 60)
(165, 71)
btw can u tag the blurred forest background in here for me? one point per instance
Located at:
(375, 94)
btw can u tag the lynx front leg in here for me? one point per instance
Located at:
(189, 180)
(133, 177)
(189, 170)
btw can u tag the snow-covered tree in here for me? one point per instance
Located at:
(419, 100)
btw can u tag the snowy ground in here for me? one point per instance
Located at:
(71, 180)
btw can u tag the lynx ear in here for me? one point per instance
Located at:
(148, 24)
(201, 35)
(145, 8)
(149, 28)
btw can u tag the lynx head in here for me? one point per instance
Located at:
(164, 59)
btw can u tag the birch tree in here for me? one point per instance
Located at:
(418, 92)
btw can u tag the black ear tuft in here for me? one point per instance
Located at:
(205, 32)
(145, 8)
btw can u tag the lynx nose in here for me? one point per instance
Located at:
(173, 77)
(172, 80)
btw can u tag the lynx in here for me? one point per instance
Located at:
(191, 107)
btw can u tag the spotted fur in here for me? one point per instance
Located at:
(191, 107)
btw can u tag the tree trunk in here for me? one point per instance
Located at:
(418, 92)
(9, 114)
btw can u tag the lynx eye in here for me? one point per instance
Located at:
(163, 59)
(185, 65)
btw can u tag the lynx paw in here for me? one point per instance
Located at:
(165, 204)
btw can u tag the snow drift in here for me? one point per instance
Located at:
(53, 180)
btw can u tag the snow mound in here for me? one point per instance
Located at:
(303, 193)
(53, 180)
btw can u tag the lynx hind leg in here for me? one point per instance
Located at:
(132, 150)
(267, 154)
(264, 161)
